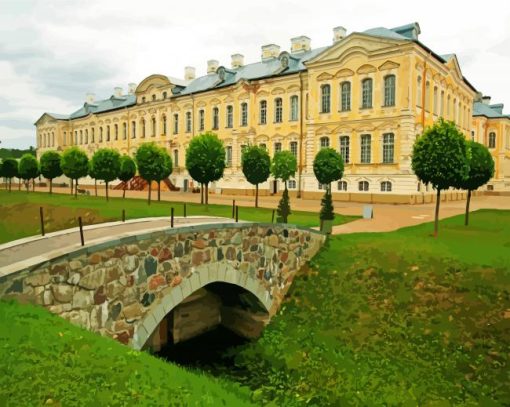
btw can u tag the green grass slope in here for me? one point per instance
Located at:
(394, 318)
(19, 216)
(46, 360)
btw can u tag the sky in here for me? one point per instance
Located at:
(53, 52)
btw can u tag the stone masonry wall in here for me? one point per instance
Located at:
(112, 288)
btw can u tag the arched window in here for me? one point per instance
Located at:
(228, 156)
(64, 139)
(263, 112)
(345, 148)
(188, 122)
(143, 99)
(81, 136)
(93, 136)
(324, 142)
(427, 96)
(163, 124)
(277, 147)
(100, 134)
(86, 136)
(291, 184)
(244, 114)
(419, 91)
(455, 112)
(124, 131)
(294, 108)
(164, 95)
(441, 104)
(230, 116)
(216, 118)
(116, 127)
(278, 110)
(294, 148)
(366, 93)
(492, 140)
(366, 148)
(176, 123)
(176, 158)
(386, 186)
(108, 133)
(345, 89)
(153, 98)
(201, 120)
(342, 185)
(435, 100)
(143, 128)
(389, 90)
(153, 127)
(448, 107)
(388, 148)
(133, 129)
(363, 186)
(325, 99)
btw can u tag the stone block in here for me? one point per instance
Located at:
(82, 299)
(62, 292)
(93, 280)
(132, 312)
(38, 279)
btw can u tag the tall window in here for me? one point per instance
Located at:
(100, 135)
(278, 110)
(366, 148)
(163, 120)
(455, 118)
(294, 108)
(492, 140)
(345, 89)
(435, 100)
(133, 129)
(342, 185)
(325, 99)
(386, 186)
(124, 131)
(263, 112)
(389, 90)
(228, 156)
(427, 96)
(81, 138)
(441, 104)
(164, 95)
(108, 133)
(86, 137)
(153, 127)
(418, 91)
(216, 118)
(92, 138)
(388, 147)
(116, 131)
(188, 122)
(363, 186)
(64, 139)
(294, 148)
(448, 107)
(176, 158)
(345, 148)
(230, 116)
(244, 114)
(263, 145)
(176, 123)
(277, 147)
(366, 93)
(143, 128)
(324, 142)
(201, 120)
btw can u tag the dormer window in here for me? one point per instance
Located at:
(143, 99)
(153, 98)
(164, 95)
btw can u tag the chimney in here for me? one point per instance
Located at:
(189, 73)
(212, 66)
(339, 33)
(486, 100)
(90, 98)
(131, 88)
(117, 92)
(237, 61)
(270, 51)
(300, 44)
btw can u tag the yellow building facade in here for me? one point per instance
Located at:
(367, 95)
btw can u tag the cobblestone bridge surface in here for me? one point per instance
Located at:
(123, 288)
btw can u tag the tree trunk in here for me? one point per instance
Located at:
(106, 190)
(466, 220)
(33, 184)
(27, 185)
(149, 198)
(71, 186)
(10, 184)
(76, 188)
(51, 186)
(256, 195)
(159, 191)
(19, 184)
(201, 193)
(207, 193)
(95, 185)
(124, 192)
(436, 217)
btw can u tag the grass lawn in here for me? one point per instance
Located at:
(19, 216)
(47, 361)
(394, 318)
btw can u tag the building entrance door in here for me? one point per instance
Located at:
(274, 186)
(185, 185)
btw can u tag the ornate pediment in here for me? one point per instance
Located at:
(243, 96)
(293, 88)
(262, 94)
(324, 76)
(366, 68)
(215, 101)
(388, 65)
(201, 104)
(277, 91)
(344, 73)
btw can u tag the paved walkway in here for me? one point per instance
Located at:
(19, 250)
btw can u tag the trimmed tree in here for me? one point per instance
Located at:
(105, 165)
(151, 164)
(28, 168)
(166, 168)
(328, 166)
(481, 170)
(440, 158)
(127, 171)
(75, 165)
(205, 160)
(256, 167)
(93, 175)
(10, 169)
(284, 166)
(50, 166)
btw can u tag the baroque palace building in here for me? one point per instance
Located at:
(368, 95)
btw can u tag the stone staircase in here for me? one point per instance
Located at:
(137, 183)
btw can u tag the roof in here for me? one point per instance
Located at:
(285, 64)
(489, 111)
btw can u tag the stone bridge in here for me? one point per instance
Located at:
(146, 289)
